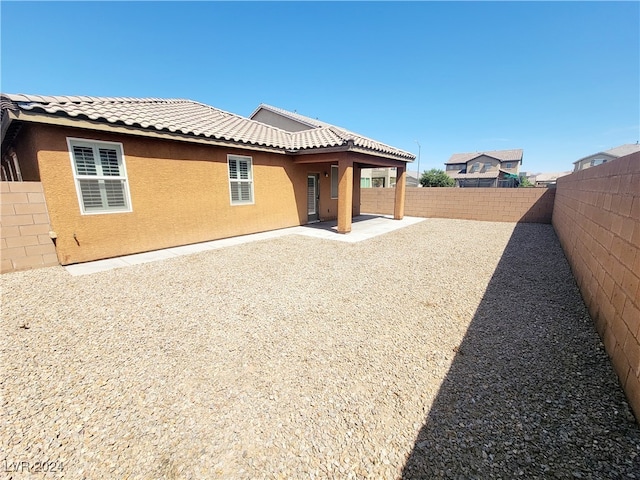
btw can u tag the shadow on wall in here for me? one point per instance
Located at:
(530, 391)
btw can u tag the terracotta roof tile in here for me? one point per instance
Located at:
(331, 135)
(195, 119)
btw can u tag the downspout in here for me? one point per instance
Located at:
(14, 156)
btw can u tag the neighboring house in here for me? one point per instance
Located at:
(606, 156)
(378, 178)
(498, 168)
(128, 175)
(385, 178)
(412, 179)
(546, 179)
(374, 176)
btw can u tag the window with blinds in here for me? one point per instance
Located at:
(100, 176)
(240, 179)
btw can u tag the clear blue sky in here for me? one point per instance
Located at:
(560, 80)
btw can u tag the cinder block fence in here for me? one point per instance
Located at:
(24, 227)
(597, 219)
(534, 205)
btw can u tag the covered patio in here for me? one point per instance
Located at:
(350, 165)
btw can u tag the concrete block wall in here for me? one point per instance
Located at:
(533, 205)
(597, 219)
(24, 227)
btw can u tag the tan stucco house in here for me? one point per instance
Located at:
(496, 168)
(128, 175)
(599, 158)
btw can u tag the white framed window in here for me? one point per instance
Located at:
(240, 179)
(100, 176)
(334, 181)
(508, 165)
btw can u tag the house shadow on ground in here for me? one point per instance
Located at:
(531, 392)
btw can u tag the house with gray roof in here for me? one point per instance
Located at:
(128, 175)
(496, 168)
(599, 158)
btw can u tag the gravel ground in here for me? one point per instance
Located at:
(449, 349)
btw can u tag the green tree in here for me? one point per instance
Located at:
(436, 178)
(524, 182)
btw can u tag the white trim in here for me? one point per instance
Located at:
(249, 181)
(76, 179)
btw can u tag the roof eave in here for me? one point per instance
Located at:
(66, 121)
(377, 153)
(348, 148)
(7, 118)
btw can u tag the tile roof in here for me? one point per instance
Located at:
(319, 129)
(502, 155)
(192, 118)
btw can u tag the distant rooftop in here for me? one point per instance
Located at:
(514, 155)
(620, 151)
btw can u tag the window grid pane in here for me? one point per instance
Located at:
(245, 192)
(109, 161)
(114, 190)
(85, 163)
(233, 169)
(244, 170)
(91, 197)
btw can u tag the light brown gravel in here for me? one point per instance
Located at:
(305, 358)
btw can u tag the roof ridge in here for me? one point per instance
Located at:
(481, 152)
(24, 97)
(298, 117)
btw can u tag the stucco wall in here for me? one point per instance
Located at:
(489, 204)
(179, 195)
(597, 219)
(24, 223)
(26, 152)
(272, 118)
